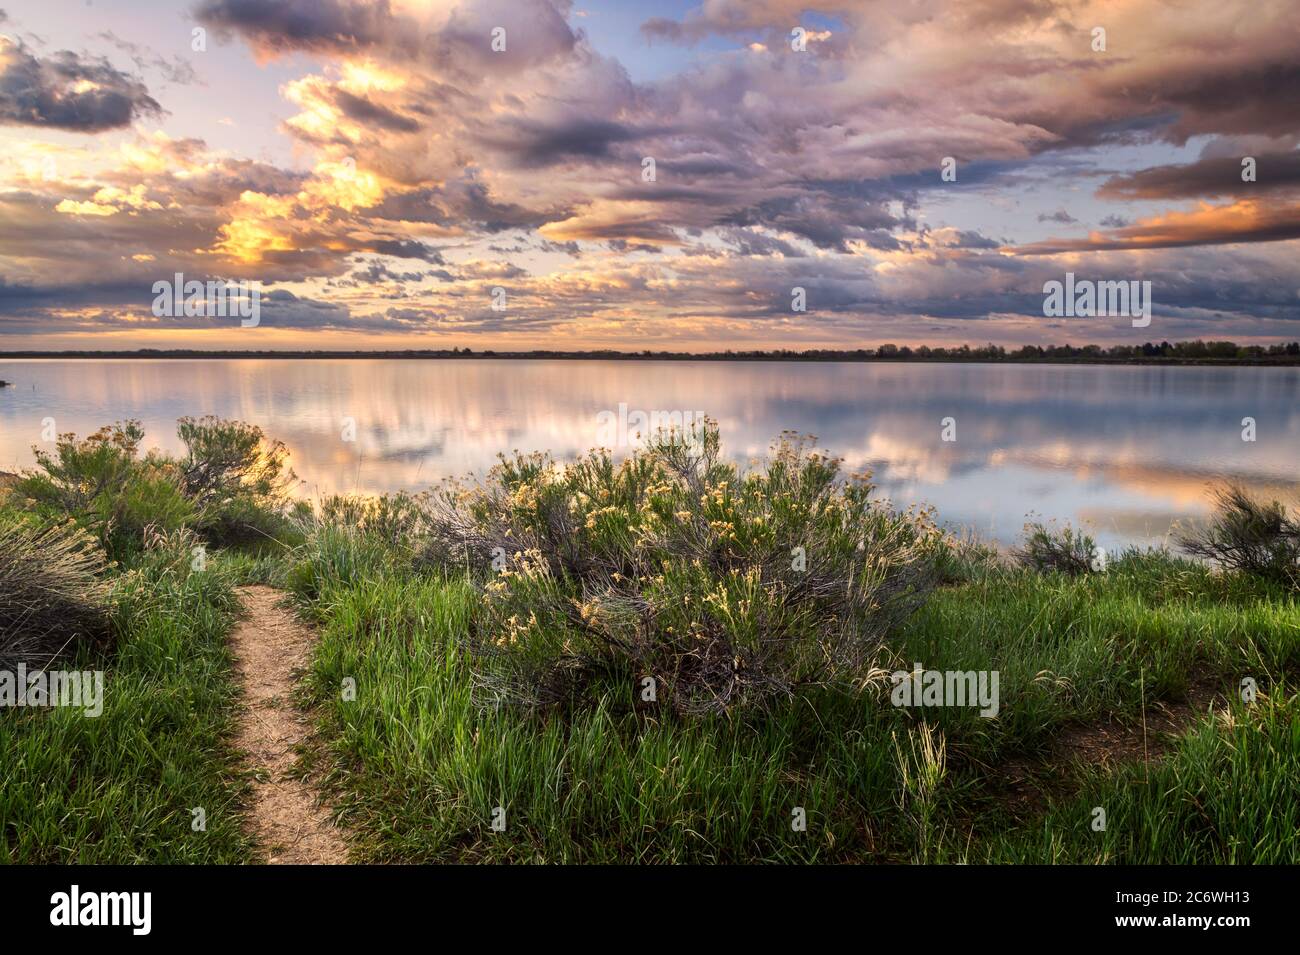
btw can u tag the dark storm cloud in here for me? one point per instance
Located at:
(20, 299)
(829, 222)
(461, 203)
(969, 239)
(406, 249)
(538, 32)
(749, 242)
(534, 144)
(1251, 95)
(371, 113)
(377, 273)
(286, 25)
(1216, 176)
(283, 309)
(68, 91)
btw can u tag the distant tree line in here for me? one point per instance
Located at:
(1190, 351)
(1177, 352)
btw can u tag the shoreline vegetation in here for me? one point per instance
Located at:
(1164, 353)
(665, 658)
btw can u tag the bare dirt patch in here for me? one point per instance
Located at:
(271, 647)
(1025, 785)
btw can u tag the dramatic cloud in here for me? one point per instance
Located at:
(67, 91)
(919, 170)
(1213, 177)
(337, 26)
(1247, 220)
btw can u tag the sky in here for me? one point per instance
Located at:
(670, 175)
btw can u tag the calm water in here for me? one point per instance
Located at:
(1125, 451)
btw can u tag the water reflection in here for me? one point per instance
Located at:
(1129, 450)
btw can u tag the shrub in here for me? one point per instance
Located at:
(53, 598)
(723, 587)
(1254, 537)
(965, 559)
(1047, 549)
(396, 519)
(238, 480)
(102, 483)
(353, 538)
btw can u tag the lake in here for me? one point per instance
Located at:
(1124, 451)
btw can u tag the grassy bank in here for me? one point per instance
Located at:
(421, 768)
(426, 751)
(121, 787)
(667, 659)
(106, 567)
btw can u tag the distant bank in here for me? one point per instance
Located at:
(1165, 353)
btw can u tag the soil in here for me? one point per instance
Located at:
(288, 817)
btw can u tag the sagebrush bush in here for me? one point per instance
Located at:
(53, 595)
(231, 486)
(723, 587)
(1064, 550)
(238, 479)
(103, 484)
(1259, 538)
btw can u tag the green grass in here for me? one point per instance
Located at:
(119, 788)
(419, 757)
(127, 785)
(1226, 794)
(419, 768)
(1074, 650)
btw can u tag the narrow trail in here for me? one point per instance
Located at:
(1025, 784)
(270, 646)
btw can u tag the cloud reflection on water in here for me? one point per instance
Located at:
(1128, 448)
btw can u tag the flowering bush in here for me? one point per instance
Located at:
(678, 576)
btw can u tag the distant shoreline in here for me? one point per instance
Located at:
(859, 356)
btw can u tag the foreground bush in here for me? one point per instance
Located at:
(103, 484)
(231, 486)
(53, 599)
(1065, 551)
(677, 574)
(238, 480)
(1250, 536)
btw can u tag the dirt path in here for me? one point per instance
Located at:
(1024, 785)
(270, 645)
